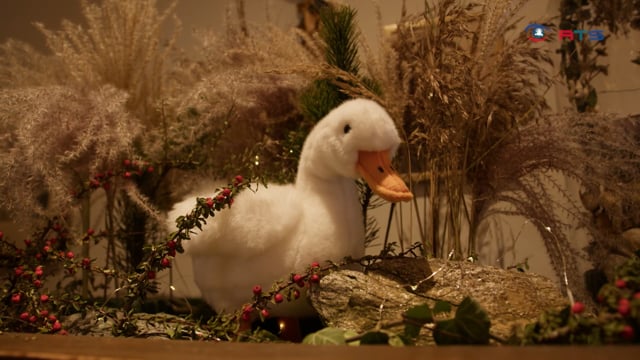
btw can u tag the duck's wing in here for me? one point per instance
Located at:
(255, 223)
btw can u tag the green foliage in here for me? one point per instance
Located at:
(326, 336)
(338, 30)
(470, 325)
(27, 305)
(616, 320)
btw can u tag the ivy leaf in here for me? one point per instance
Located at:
(415, 318)
(375, 338)
(469, 326)
(326, 336)
(441, 307)
(446, 333)
(420, 314)
(473, 322)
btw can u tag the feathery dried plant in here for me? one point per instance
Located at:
(242, 99)
(471, 104)
(53, 138)
(459, 88)
(120, 45)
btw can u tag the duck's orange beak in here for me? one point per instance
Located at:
(375, 168)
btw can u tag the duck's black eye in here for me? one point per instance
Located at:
(347, 128)
(380, 169)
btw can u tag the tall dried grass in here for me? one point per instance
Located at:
(471, 105)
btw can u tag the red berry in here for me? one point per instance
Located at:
(37, 283)
(296, 294)
(247, 309)
(38, 256)
(57, 227)
(33, 319)
(636, 295)
(314, 278)
(1, 235)
(210, 203)
(264, 313)
(278, 298)
(38, 271)
(24, 316)
(315, 264)
(15, 298)
(621, 284)
(86, 263)
(627, 332)
(220, 198)
(297, 278)
(44, 298)
(257, 290)
(171, 244)
(63, 332)
(126, 162)
(19, 270)
(56, 326)
(624, 307)
(90, 232)
(165, 262)
(44, 313)
(150, 169)
(238, 179)
(151, 275)
(53, 318)
(70, 255)
(246, 316)
(226, 192)
(28, 242)
(577, 307)
(127, 175)
(46, 248)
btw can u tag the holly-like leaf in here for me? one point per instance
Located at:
(326, 336)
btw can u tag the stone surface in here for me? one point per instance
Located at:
(357, 301)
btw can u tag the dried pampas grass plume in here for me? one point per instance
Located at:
(53, 138)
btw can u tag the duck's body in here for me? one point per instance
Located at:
(282, 229)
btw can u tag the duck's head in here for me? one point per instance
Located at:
(356, 139)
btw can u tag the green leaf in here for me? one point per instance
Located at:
(446, 333)
(375, 338)
(326, 336)
(470, 326)
(473, 322)
(421, 314)
(441, 307)
(415, 318)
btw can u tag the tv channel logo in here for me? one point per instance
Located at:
(538, 33)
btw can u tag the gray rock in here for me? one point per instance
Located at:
(357, 301)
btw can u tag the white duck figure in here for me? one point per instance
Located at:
(270, 234)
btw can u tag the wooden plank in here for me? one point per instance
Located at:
(30, 346)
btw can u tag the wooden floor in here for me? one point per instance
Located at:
(29, 346)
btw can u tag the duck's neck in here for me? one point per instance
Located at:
(337, 187)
